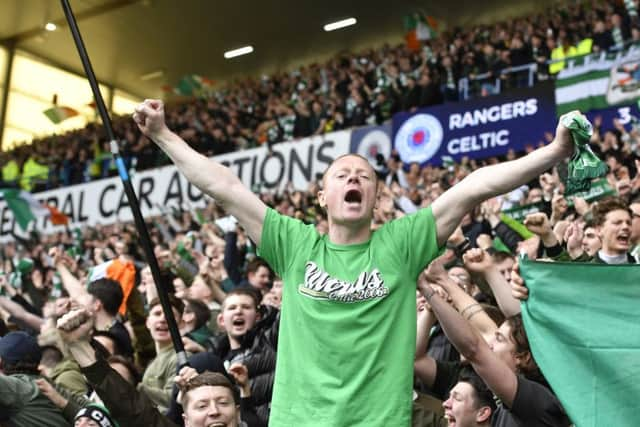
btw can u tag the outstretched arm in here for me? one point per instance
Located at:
(211, 177)
(17, 311)
(122, 399)
(495, 373)
(494, 180)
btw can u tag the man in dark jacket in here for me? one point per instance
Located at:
(251, 339)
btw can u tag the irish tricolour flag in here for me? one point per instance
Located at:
(123, 272)
(26, 208)
(59, 114)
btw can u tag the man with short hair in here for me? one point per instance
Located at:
(250, 338)
(158, 378)
(470, 403)
(210, 399)
(340, 360)
(21, 403)
(107, 297)
(612, 219)
(258, 275)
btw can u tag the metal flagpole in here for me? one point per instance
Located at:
(145, 241)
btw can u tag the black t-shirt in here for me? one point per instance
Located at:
(534, 406)
(440, 348)
(120, 333)
(447, 374)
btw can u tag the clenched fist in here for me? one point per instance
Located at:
(76, 325)
(149, 116)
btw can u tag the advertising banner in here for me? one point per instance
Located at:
(478, 128)
(104, 201)
(371, 141)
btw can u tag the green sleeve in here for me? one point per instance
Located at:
(414, 238)
(160, 391)
(565, 257)
(282, 237)
(73, 381)
(13, 390)
(143, 345)
(74, 403)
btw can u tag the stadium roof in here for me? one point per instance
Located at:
(128, 39)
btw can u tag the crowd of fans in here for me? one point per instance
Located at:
(119, 365)
(226, 299)
(349, 90)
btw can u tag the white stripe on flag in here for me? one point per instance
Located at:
(99, 271)
(584, 69)
(583, 90)
(37, 208)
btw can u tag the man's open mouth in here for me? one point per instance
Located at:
(623, 238)
(353, 196)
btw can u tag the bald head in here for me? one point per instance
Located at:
(337, 161)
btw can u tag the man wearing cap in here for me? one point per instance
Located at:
(21, 403)
(94, 415)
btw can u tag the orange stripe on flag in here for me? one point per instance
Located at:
(125, 274)
(57, 217)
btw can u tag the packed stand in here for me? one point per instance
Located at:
(346, 91)
(119, 365)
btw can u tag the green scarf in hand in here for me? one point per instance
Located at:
(584, 165)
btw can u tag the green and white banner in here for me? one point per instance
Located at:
(597, 83)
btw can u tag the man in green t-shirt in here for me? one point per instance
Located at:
(347, 332)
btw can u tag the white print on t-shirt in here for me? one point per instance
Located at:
(319, 285)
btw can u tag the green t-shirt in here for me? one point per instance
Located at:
(348, 324)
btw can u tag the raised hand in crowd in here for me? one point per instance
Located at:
(573, 238)
(463, 302)
(186, 374)
(539, 224)
(550, 184)
(481, 263)
(559, 208)
(580, 205)
(191, 346)
(491, 210)
(518, 287)
(240, 374)
(50, 391)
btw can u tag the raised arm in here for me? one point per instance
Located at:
(495, 373)
(70, 282)
(464, 303)
(480, 262)
(211, 177)
(122, 399)
(494, 180)
(18, 311)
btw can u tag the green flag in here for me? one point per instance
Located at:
(519, 213)
(24, 206)
(583, 325)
